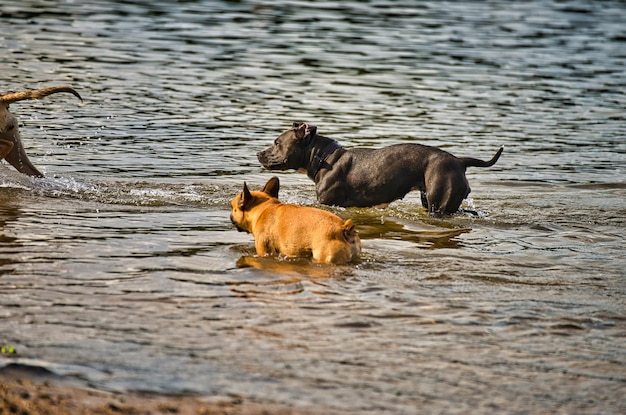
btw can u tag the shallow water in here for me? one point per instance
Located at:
(122, 268)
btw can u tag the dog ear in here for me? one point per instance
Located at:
(271, 187)
(311, 130)
(300, 130)
(246, 197)
(304, 130)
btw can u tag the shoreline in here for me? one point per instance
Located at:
(26, 393)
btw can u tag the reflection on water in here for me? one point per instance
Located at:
(121, 267)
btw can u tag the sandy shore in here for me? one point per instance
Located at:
(24, 394)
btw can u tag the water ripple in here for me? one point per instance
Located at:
(121, 267)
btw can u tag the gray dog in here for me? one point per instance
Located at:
(366, 177)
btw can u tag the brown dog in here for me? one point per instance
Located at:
(291, 230)
(11, 147)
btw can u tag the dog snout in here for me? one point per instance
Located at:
(273, 160)
(265, 157)
(232, 220)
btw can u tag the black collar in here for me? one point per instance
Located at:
(318, 157)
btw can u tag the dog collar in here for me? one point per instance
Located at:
(319, 157)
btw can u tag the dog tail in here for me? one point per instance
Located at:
(348, 230)
(37, 94)
(348, 225)
(472, 162)
(352, 238)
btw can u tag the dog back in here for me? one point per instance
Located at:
(292, 230)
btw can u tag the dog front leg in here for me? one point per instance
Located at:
(262, 246)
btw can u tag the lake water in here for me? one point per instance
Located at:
(121, 267)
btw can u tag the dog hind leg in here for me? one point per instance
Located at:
(445, 200)
(5, 148)
(445, 192)
(335, 252)
(424, 199)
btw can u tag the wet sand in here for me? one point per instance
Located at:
(26, 393)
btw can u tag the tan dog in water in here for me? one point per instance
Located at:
(11, 147)
(291, 230)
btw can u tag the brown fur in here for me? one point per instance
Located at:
(11, 147)
(291, 230)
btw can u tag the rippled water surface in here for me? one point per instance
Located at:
(121, 267)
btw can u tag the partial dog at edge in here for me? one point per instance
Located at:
(11, 147)
(366, 177)
(291, 230)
